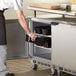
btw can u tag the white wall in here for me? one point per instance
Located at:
(11, 14)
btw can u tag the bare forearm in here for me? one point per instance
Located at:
(23, 23)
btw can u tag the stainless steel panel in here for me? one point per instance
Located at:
(15, 40)
(64, 46)
(31, 45)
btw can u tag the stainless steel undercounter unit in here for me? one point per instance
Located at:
(61, 53)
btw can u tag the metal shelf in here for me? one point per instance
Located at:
(72, 13)
(45, 56)
(43, 35)
(42, 47)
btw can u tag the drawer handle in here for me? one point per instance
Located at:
(54, 23)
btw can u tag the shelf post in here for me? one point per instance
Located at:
(34, 13)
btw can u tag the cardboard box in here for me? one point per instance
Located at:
(45, 6)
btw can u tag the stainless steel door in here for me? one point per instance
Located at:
(64, 46)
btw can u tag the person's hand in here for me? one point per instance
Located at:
(32, 36)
